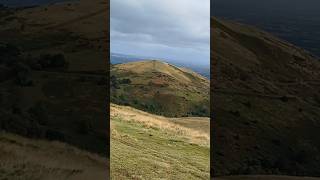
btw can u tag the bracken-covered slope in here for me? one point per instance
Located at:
(266, 103)
(160, 88)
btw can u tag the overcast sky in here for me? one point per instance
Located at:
(165, 29)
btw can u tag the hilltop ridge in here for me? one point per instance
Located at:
(160, 88)
(158, 66)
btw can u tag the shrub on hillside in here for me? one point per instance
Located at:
(9, 54)
(284, 99)
(316, 98)
(113, 82)
(39, 113)
(9, 50)
(54, 135)
(83, 126)
(102, 81)
(125, 81)
(15, 123)
(5, 73)
(53, 61)
(22, 74)
(199, 111)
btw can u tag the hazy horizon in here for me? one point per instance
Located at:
(178, 30)
(295, 21)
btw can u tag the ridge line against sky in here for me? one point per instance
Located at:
(174, 30)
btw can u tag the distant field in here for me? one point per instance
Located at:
(145, 146)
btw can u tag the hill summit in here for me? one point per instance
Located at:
(160, 88)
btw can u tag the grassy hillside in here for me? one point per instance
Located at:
(266, 103)
(23, 158)
(146, 146)
(160, 88)
(53, 73)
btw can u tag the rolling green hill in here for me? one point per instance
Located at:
(160, 88)
(266, 103)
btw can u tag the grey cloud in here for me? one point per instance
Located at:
(176, 24)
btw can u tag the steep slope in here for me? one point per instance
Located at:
(53, 73)
(146, 146)
(160, 88)
(266, 103)
(23, 158)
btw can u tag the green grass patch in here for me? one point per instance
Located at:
(138, 152)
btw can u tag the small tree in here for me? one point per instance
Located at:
(53, 61)
(39, 113)
(83, 127)
(125, 81)
(113, 82)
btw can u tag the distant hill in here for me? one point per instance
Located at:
(160, 88)
(294, 21)
(266, 103)
(117, 58)
(165, 148)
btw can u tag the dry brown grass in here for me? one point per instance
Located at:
(23, 158)
(146, 146)
(127, 113)
(140, 67)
